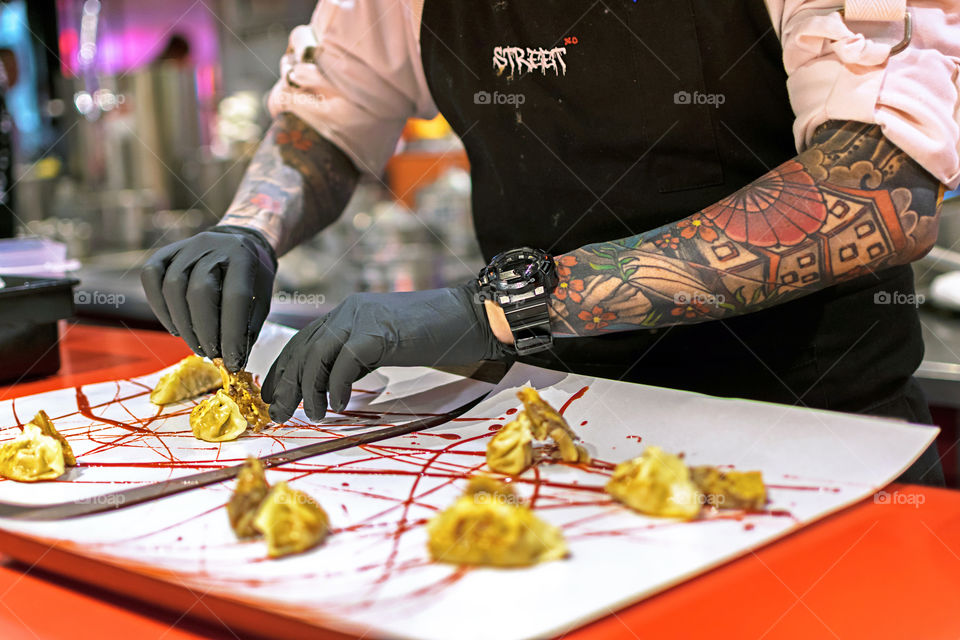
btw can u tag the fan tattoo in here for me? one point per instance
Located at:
(849, 205)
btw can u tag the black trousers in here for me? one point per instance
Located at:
(911, 405)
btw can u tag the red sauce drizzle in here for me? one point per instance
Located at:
(576, 396)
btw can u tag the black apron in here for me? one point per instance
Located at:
(578, 130)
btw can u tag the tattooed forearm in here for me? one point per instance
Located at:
(850, 204)
(296, 184)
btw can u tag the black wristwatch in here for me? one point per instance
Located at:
(521, 281)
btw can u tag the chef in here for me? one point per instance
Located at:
(637, 188)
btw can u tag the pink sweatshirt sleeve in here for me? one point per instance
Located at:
(354, 74)
(842, 71)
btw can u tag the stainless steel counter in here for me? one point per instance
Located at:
(939, 373)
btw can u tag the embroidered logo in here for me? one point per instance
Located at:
(524, 60)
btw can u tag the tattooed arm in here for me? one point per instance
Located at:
(297, 184)
(850, 204)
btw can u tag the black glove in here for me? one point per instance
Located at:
(213, 290)
(436, 327)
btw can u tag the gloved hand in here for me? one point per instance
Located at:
(213, 290)
(368, 330)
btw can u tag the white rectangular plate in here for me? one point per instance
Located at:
(374, 575)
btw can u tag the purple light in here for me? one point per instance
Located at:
(132, 35)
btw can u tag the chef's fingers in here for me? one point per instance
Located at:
(276, 370)
(174, 289)
(283, 392)
(263, 289)
(358, 356)
(324, 350)
(314, 368)
(203, 303)
(284, 374)
(151, 277)
(237, 302)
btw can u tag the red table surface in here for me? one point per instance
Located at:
(875, 570)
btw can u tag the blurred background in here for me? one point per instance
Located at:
(127, 125)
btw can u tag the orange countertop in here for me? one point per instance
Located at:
(875, 570)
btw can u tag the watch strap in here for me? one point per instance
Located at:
(529, 322)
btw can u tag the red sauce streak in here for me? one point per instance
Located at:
(511, 411)
(576, 396)
(781, 513)
(536, 487)
(13, 408)
(83, 406)
(449, 464)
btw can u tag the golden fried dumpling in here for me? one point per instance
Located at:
(32, 456)
(541, 421)
(291, 521)
(43, 421)
(488, 526)
(543, 417)
(247, 496)
(192, 376)
(217, 419)
(242, 389)
(511, 449)
(730, 489)
(547, 422)
(483, 484)
(657, 484)
(569, 450)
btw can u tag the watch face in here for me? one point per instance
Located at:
(517, 270)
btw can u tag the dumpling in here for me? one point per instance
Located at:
(543, 417)
(43, 421)
(247, 496)
(242, 389)
(657, 484)
(510, 451)
(291, 521)
(569, 450)
(217, 419)
(488, 526)
(730, 489)
(547, 422)
(32, 456)
(192, 376)
(39, 453)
